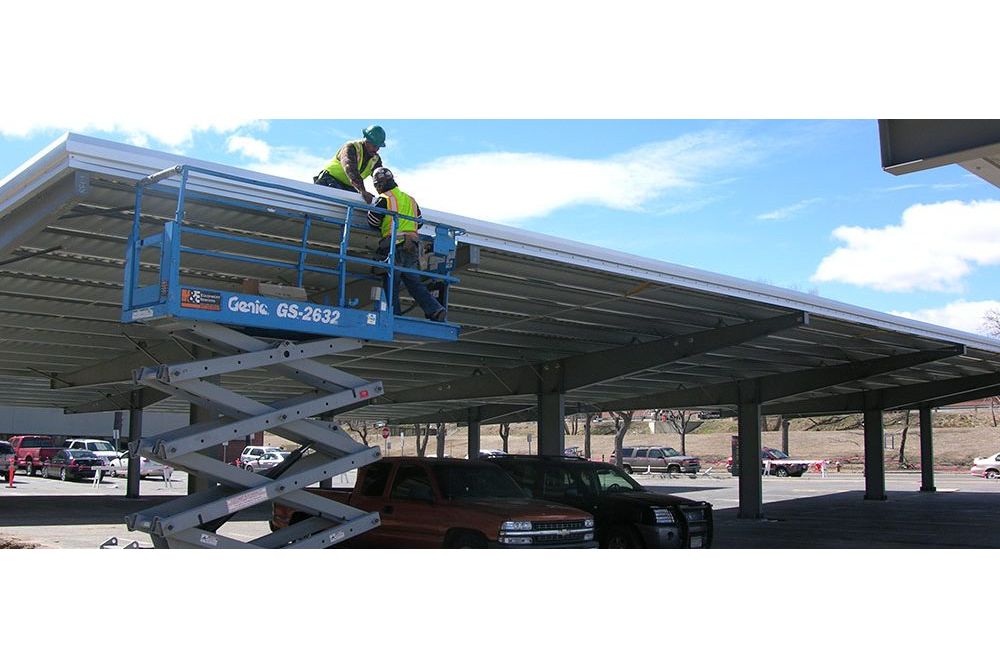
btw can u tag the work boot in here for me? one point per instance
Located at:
(438, 316)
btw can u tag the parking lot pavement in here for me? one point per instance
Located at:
(806, 512)
(831, 512)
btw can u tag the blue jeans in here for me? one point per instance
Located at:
(408, 257)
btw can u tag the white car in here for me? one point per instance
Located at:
(986, 467)
(266, 461)
(252, 453)
(148, 467)
(101, 448)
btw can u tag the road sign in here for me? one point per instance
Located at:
(385, 432)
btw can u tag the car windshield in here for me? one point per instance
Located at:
(670, 452)
(611, 481)
(6, 449)
(776, 454)
(477, 482)
(79, 454)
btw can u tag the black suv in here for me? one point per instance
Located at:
(625, 513)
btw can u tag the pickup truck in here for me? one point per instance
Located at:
(627, 514)
(33, 451)
(452, 503)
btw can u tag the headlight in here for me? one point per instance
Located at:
(588, 523)
(663, 516)
(515, 526)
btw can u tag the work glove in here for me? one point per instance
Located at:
(369, 198)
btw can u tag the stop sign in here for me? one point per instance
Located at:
(385, 432)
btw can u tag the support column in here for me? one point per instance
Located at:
(551, 422)
(874, 455)
(474, 428)
(926, 451)
(751, 492)
(784, 435)
(134, 434)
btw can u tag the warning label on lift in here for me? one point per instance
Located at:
(201, 299)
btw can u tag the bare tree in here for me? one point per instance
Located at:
(421, 441)
(504, 434)
(359, 427)
(902, 463)
(623, 420)
(679, 420)
(441, 431)
(588, 420)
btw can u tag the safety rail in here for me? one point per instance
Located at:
(169, 297)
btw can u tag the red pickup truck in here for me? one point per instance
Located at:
(451, 503)
(33, 451)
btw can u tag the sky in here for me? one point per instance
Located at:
(801, 204)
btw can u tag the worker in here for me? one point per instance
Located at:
(354, 162)
(407, 243)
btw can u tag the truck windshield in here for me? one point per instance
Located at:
(6, 449)
(476, 482)
(610, 481)
(36, 443)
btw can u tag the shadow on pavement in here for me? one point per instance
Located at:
(847, 520)
(61, 510)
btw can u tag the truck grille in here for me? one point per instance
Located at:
(555, 539)
(556, 526)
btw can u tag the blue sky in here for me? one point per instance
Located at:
(801, 204)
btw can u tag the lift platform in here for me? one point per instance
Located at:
(181, 278)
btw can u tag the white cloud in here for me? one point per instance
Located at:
(166, 130)
(961, 315)
(507, 187)
(788, 211)
(934, 248)
(249, 147)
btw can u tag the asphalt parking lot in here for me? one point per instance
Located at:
(806, 512)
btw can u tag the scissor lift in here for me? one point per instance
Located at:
(246, 332)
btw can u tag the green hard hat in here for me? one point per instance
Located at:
(375, 134)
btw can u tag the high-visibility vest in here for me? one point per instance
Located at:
(398, 201)
(336, 170)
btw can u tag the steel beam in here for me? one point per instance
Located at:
(472, 418)
(551, 424)
(119, 369)
(56, 200)
(122, 401)
(751, 486)
(874, 455)
(579, 371)
(911, 145)
(776, 386)
(926, 450)
(134, 434)
(935, 393)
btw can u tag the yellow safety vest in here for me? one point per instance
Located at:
(398, 201)
(336, 170)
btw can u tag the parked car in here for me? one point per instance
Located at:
(452, 503)
(99, 447)
(781, 465)
(148, 467)
(7, 455)
(72, 465)
(252, 452)
(626, 514)
(33, 451)
(656, 459)
(266, 461)
(986, 467)
(492, 453)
